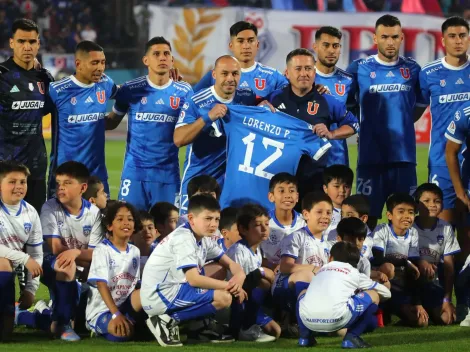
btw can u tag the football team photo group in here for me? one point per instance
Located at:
(266, 231)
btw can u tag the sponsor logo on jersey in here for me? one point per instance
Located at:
(89, 100)
(160, 102)
(31, 86)
(260, 83)
(27, 227)
(456, 97)
(340, 89)
(390, 74)
(405, 73)
(84, 118)
(372, 74)
(442, 82)
(143, 100)
(101, 96)
(282, 106)
(460, 81)
(14, 89)
(433, 70)
(73, 101)
(154, 117)
(27, 105)
(64, 87)
(87, 230)
(389, 88)
(174, 102)
(206, 103)
(244, 84)
(312, 108)
(457, 115)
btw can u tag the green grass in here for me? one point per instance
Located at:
(393, 338)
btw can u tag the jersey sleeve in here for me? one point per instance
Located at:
(239, 256)
(35, 236)
(99, 271)
(366, 283)
(457, 130)
(111, 88)
(214, 252)
(52, 94)
(340, 114)
(123, 98)
(421, 100)
(184, 251)
(380, 239)
(451, 244)
(281, 80)
(97, 232)
(413, 251)
(205, 82)
(424, 86)
(13, 255)
(314, 146)
(290, 245)
(50, 228)
(189, 114)
(35, 252)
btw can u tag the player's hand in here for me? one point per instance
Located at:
(322, 131)
(233, 288)
(121, 326)
(382, 277)
(421, 313)
(322, 89)
(428, 270)
(218, 111)
(33, 267)
(242, 296)
(175, 74)
(26, 300)
(268, 104)
(66, 258)
(413, 270)
(449, 309)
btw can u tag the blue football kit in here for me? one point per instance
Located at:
(151, 170)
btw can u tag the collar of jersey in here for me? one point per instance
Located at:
(251, 68)
(272, 214)
(311, 234)
(244, 242)
(453, 68)
(220, 99)
(153, 85)
(376, 57)
(5, 209)
(85, 203)
(321, 74)
(109, 243)
(80, 84)
(395, 235)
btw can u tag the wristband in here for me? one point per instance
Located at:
(115, 315)
(446, 300)
(261, 270)
(207, 120)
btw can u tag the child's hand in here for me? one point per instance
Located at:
(421, 313)
(66, 258)
(120, 326)
(33, 267)
(382, 278)
(233, 288)
(242, 296)
(428, 270)
(414, 271)
(448, 309)
(26, 300)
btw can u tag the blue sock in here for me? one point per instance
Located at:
(304, 332)
(462, 284)
(236, 317)
(7, 293)
(194, 313)
(253, 308)
(366, 322)
(65, 302)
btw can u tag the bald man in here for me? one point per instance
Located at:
(206, 153)
(80, 101)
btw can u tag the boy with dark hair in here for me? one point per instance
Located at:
(228, 227)
(146, 238)
(95, 193)
(197, 185)
(173, 288)
(165, 218)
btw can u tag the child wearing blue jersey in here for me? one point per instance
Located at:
(165, 218)
(95, 193)
(228, 227)
(113, 300)
(253, 225)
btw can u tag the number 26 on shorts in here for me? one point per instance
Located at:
(364, 186)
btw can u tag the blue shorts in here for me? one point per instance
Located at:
(188, 298)
(143, 195)
(439, 175)
(432, 295)
(378, 182)
(361, 302)
(103, 320)
(262, 318)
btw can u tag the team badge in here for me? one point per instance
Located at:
(260, 83)
(312, 108)
(143, 100)
(31, 86)
(443, 83)
(340, 89)
(86, 230)
(101, 96)
(457, 115)
(372, 74)
(73, 101)
(360, 295)
(405, 72)
(451, 127)
(134, 263)
(27, 227)
(174, 102)
(41, 87)
(440, 239)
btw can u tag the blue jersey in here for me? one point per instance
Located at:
(152, 112)
(342, 87)
(447, 89)
(207, 154)
(388, 94)
(259, 78)
(260, 145)
(78, 132)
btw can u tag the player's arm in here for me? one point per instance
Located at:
(418, 112)
(448, 277)
(122, 98)
(347, 122)
(423, 95)
(113, 119)
(289, 266)
(366, 283)
(197, 280)
(235, 268)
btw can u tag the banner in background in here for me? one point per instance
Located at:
(58, 62)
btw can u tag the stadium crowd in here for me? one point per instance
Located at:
(262, 230)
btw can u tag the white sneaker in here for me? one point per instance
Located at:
(165, 329)
(461, 312)
(40, 306)
(466, 321)
(255, 334)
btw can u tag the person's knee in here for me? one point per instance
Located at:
(388, 269)
(5, 265)
(222, 299)
(302, 276)
(374, 296)
(272, 328)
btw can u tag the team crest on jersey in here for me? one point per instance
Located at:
(405, 72)
(86, 230)
(440, 239)
(340, 89)
(312, 108)
(27, 227)
(451, 127)
(60, 224)
(143, 100)
(73, 101)
(112, 263)
(443, 83)
(260, 83)
(457, 115)
(41, 87)
(327, 252)
(31, 86)
(372, 74)
(174, 102)
(134, 263)
(101, 96)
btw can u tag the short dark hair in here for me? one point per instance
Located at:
(299, 52)
(345, 252)
(87, 46)
(352, 227)
(333, 31)
(75, 170)
(282, 177)
(228, 217)
(113, 208)
(155, 41)
(25, 25)
(400, 198)
(8, 166)
(94, 183)
(201, 202)
(241, 26)
(161, 211)
(145, 216)
(340, 173)
(454, 21)
(387, 21)
(359, 202)
(248, 213)
(428, 187)
(203, 184)
(312, 198)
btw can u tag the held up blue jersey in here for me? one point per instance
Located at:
(261, 144)
(78, 133)
(152, 112)
(447, 89)
(259, 78)
(207, 154)
(388, 94)
(342, 87)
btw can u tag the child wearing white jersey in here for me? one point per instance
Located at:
(437, 246)
(145, 237)
(20, 243)
(173, 287)
(228, 227)
(284, 219)
(253, 224)
(71, 227)
(113, 300)
(340, 297)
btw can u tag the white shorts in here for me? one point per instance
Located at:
(317, 321)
